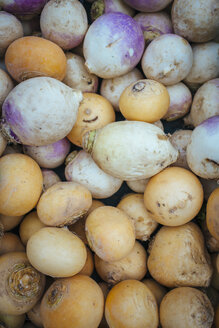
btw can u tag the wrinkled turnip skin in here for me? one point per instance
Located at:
(202, 151)
(196, 20)
(132, 150)
(64, 22)
(148, 5)
(167, 59)
(40, 111)
(118, 42)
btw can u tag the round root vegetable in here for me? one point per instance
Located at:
(205, 103)
(196, 20)
(82, 169)
(10, 30)
(130, 150)
(110, 233)
(186, 307)
(205, 65)
(138, 185)
(22, 285)
(115, 53)
(10, 242)
(100, 7)
(88, 268)
(94, 112)
(21, 183)
(74, 297)
(25, 9)
(202, 151)
(33, 56)
(212, 213)
(34, 315)
(212, 243)
(49, 156)
(133, 266)
(180, 140)
(64, 22)
(56, 252)
(133, 205)
(130, 303)
(174, 196)
(77, 75)
(12, 321)
(148, 5)
(3, 144)
(6, 85)
(49, 178)
(78, 227)
(157, 290)
(25, 108)
(63, 203)
(167, 59)
(154, 24)
(29, 225)
(144, 100)
(9, 222)
(189, 263)
(112, 89)
(180, 101)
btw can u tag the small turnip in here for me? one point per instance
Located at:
(180, 139)
(100, 7)
(148, 5)
(50, 177)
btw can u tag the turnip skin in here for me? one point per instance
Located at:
(50, 177)
(40, 111)
(202, 150)
(23, 8)
(12, 321)
(6, 85)
(3, 144)
(100, 7)
(119, 150)
(180, 139)
(148, 5)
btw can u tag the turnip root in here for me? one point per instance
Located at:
(100, 7)
(34, 315)
(3, 144)
(12, 321)
(212, 213)
(205, 103)
(197, 20)
(202, 151)
(157, 290)
(180, 139)
(10, 242)
(130, 150)
(10, 30)
(64, 22)
(138, 185)
(25, 108)
(49, 178)
(77, 75)
(205, 65)
(10, 222)
(6, 85)
(148, 5)
(82, 169)
(167, 59)
(116, 53)
(29, 225)
(25, 9)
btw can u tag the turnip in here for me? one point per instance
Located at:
(10, 222)
(119, 45)
(205, 65)
(10, 242)
(49, 178)
(12, 321)
(6, 85)
(29, 225)
(212, 213)
(88, 267)
(3, 144)
(154, 24)
(49, 156)
(10, 30)
(148, 5)
(34, 315)
(157, 290)
(100, 7)
(180, 139)
(77, 75)
(112, 89)
(205, 103)
(138, 185)
(25, 9)
(180, 101)
(64, 22)
(202, 150)
(167, 59)
(130, 150)
(197, 20)
(40, 111)
(81, 168)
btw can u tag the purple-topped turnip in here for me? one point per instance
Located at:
(64, 22)
(100, 7)
(148, 5)
(118, 42)
(49, 156)
(50, 177)
(39, 111)
(154, 24)
(202, 150)
(196, 20)
(25, 9)
(167, 59)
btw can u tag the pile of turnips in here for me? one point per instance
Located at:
(109, 163)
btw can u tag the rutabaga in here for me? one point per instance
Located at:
(202, 151)
(130, 150)
(40, 111)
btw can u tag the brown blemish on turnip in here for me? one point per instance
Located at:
(162, 137)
